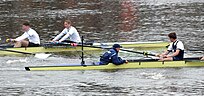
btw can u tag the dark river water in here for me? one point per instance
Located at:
(102, 21)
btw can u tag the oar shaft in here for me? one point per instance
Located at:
(192, 58)
(151, 59)
(196, 50)
(64, 44)
(85, 45)
(2, 49)
(144, 53)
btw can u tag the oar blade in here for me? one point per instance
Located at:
(42, 55)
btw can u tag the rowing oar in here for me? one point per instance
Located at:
(105, 47)
(156, 59)
(40, 56)
(3, 49)
(143, 53)
(196, 50)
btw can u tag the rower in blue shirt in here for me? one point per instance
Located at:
(111, 56)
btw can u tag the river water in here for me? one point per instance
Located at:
(102, 21)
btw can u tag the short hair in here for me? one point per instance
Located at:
(172, 35)
(26, 23)
(68, 21)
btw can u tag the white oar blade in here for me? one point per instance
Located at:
(42, 55)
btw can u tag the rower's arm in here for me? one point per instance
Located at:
(163, 54)
(175, 53)
(71, 31)
(65, 37)
(22, 37)
(166, 52)
(117, 60)
(59, 36)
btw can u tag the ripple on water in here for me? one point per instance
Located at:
(103, 21)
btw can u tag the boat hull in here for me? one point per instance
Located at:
(145, 45)
(131, 65)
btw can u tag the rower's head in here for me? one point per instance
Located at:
(117, 47)
(172, 36)
(25, 26)
(67, 23)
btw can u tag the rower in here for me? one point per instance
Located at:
(68, 32)
(111, 56)
(30, 34)
(176, 48)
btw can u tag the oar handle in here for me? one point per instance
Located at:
(8, 40)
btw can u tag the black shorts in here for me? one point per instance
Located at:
(33, 44)
(177, 58)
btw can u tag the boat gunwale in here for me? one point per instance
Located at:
(163, 62)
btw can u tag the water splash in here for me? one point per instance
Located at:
(155, 76)
(17, 61)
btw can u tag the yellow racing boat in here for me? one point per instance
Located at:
(130, 65)
(68, 47)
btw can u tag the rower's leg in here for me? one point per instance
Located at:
(17, 44)
(22, 43)
(166, 59)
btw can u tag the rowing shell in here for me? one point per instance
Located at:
(33, 50)
(131, 65)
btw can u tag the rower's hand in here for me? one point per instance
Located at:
(162, 55)
(165, 56)
(55, 42)
(159, 55)
(126, 62)
(52, 41)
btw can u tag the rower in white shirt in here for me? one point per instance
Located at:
(30, 34)
(69, 32)
(176, 48)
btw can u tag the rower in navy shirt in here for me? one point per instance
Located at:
(111, 56)
(176, 48)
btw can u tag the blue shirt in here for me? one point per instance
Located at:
(111, 56)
